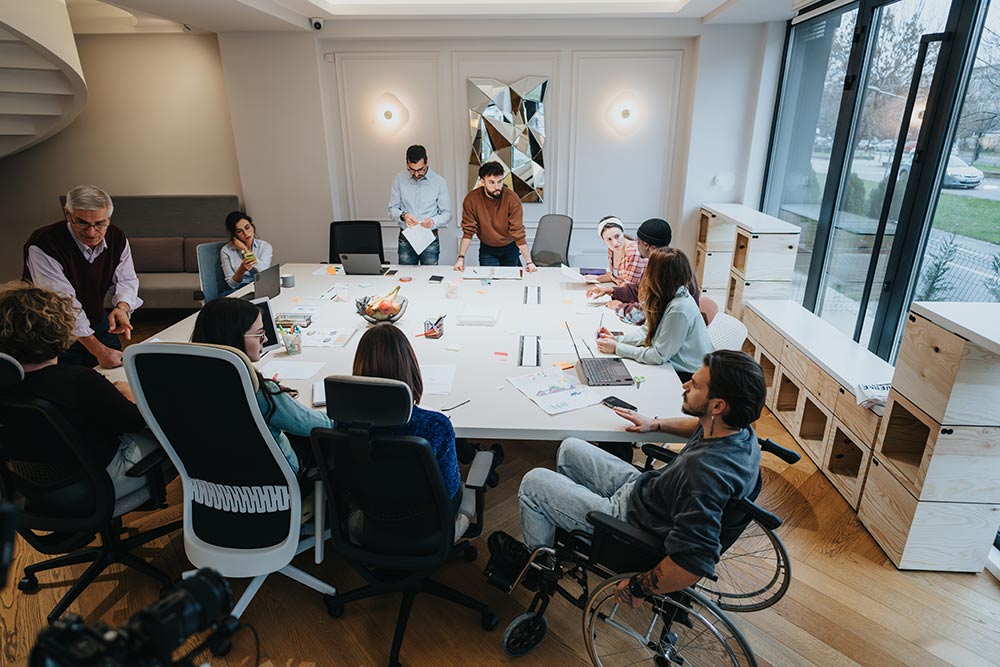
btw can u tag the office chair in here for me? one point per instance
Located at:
(709, 309)
(726, 332)
(552, 237)
(362, 237)
(213, 281)
(65, 498)
(390, 513)
(242, 504)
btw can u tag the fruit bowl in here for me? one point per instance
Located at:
(362, 303)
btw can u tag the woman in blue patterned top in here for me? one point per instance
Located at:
(384, 352)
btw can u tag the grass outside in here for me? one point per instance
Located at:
(962, 215)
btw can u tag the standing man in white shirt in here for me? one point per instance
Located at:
(85, 257)
(419, 196)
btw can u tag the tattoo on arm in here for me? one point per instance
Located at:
(650, 581)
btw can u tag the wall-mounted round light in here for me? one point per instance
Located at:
(622, 113)
(391, 115)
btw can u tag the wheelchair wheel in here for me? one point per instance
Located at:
(681, 628)
(524, 633)
(752, 574)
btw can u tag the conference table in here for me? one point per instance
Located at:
(483, 357)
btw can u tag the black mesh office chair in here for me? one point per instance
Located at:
(551, 244)
(390, 513)
(359, 237)
(65, 498)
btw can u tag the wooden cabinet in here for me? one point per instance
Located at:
(787, 391)
(814, 422)
(712, 267)
(932, 500)
(845, 462)
(716, 231)
(764, 256)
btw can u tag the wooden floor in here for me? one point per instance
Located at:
(847, 604)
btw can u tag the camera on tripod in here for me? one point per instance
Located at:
(200, 603)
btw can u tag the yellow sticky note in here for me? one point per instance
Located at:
(481, 291)
(564, 365)
(331, 270)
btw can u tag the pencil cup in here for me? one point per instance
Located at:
(431, 331)
(292, 342)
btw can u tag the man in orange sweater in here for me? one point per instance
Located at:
(494, 214)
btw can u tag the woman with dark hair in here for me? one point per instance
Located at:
(36, 326)
(674, 331)
(244, 255)
(238, 324)
(384, 352)
(625, 264)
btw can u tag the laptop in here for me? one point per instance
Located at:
(267, 283)
(362, 264)
(602, 371)
(272, 342)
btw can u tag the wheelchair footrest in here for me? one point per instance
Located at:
(506, 576)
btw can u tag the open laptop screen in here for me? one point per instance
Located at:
(272, 342)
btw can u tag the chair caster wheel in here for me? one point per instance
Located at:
(28, 584)
(333, 607)
(524, 633)
(489, 620)
(470, 555)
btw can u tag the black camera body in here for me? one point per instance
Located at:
(200, 603)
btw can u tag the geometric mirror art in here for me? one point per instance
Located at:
(507, 123)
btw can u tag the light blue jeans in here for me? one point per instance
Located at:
(133, 448)
(586, 479)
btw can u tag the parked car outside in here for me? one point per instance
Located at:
(958, 174)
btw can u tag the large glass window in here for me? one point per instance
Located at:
(884, 88)
(961, 259)
(807, 117)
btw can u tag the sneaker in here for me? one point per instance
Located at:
(508, 551)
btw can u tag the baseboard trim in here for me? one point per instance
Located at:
(993, 563)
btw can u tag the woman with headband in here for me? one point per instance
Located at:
(625, 264)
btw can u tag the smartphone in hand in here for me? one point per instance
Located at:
(615, 402)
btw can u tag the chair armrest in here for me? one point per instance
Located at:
(152, 460)
(479, 470)
(621, 547)
(657, 452)
(760, 515)
(607, 523)
(771, 447)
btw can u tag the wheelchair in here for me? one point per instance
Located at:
(687, 627)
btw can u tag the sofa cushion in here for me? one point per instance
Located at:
(191, 251)
(168, 290)
(158, 254)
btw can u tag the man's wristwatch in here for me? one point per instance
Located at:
(461, 256)
(127, 310)
(635, 588)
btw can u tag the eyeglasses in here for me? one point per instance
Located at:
(417, 172)
(261, 335)
(83, 225)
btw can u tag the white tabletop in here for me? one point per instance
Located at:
(496, 409)
(978, 322)
(849, 363)
(751, 220)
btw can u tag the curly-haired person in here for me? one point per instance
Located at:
(36, 326)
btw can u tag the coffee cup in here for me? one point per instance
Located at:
(287, 280)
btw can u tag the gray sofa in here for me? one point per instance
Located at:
(164, 232)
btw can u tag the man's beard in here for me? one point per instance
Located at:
(694, 412)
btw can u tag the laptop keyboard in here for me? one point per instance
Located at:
(601, 372)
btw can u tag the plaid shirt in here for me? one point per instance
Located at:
(631, 266)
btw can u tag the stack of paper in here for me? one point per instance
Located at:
(492, 273)
(555, 392)
(479, 315)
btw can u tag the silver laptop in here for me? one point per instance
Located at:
(602, 371)
(267, 283)
(362, 264)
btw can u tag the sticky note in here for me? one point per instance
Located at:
(481, 291)
(331, 270)
(501, 356)
(564, 365)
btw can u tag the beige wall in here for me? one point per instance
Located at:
(156, 122)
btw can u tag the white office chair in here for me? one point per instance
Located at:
(726, 332)
(242, 505)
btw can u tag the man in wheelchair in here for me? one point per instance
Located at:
(682, 504)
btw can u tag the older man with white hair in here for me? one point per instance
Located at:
(86, 257)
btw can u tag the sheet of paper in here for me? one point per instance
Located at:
(588, 346)
(554, 391)
(325, 270)
(507, 273)
(291, 370)
(419, 237)
(438, 378)
(477, 272)
(479, 315)
(572, 275)
(325, 337)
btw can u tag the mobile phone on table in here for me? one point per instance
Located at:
(617, 333)
(615, 402)
(391, 272)
(435, 279)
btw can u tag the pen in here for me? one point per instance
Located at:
(456, 406)
(601, 325)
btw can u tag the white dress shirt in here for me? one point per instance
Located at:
(48, 273)
(231, 258)
(423, 198)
